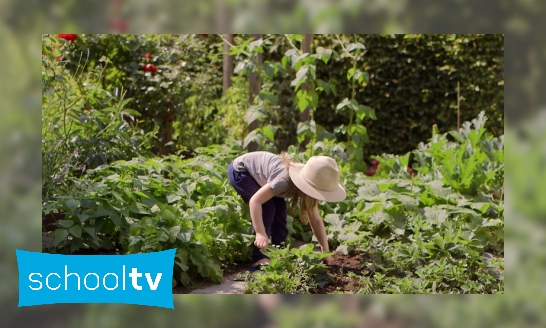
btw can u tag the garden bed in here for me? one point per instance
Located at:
(341, 272)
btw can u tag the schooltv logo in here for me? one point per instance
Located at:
(141, 279)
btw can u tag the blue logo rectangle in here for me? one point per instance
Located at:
(142, 279)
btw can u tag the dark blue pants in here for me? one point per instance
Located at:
(273, 211)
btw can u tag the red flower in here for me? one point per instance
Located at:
(149, 68)
(68, 37)
(205, 35)
(43, 53)
(58, 58)
(148, 55)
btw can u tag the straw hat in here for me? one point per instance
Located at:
(319, 178)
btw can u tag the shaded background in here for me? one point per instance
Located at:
(23, 21)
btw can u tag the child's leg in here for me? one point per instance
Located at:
(279, 229)
(246, 187)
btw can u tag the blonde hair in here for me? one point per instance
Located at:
(296, 196)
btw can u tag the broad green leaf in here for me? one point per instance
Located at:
(154, 208)
(88, 203)
(138, 208)
(141, 194)
(353, 46)
(332, 219)
(66, 223)
(254, 113)
(240, 67)
(253, 136)
(118, 196)
(284, 62)
(76, 231)
(363, 111)
(268, 132)
(324, 53)
(72, 204)
(439, 241)
(296, 37)
(300, 76)
(435, 216)
(369, 190)
(256, 46)
(343, 104)
(350, 73)
(408, 200)
(163, 237)
(361, 76)
(268, 98)
(90, 231)
(298, 61)
(173, 232)
(279, 68)
(190, 202)
(75, 244)
(379, 217)
(323, 86)
(83, 217)
(134, 240)
(342, 249)
(307, 126)
(171, 198)
(60, 235)
(181, 266)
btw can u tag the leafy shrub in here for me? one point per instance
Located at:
(433, 232)
(83, 125)
(172, 81)
(146, 205)
(290, 271)
(412, 84)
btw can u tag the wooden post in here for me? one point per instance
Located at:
(254, 89)
(228, 63)
(304, 116)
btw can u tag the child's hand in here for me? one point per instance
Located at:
(328, 260)
(261, 241)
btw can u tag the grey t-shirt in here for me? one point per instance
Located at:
(265, 167)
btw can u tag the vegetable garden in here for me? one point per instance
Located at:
(137, 134)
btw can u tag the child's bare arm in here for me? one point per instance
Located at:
(261, 196)
(318, 229)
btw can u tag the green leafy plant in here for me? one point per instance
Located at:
(290, 271)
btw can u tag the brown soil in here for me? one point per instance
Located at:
(339, 273)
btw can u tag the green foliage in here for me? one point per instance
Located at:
(410, 81)
(147, 205)
(83, 125)
(374, 93)
(178, 94)
(232, 105)
(428, 233)
(438, 227)
(290, 271)
(300, 68)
